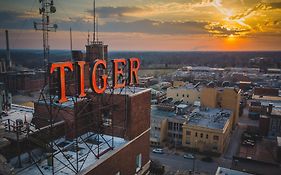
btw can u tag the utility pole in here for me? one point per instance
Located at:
(94, 22)
(70, 33)
(8, 59)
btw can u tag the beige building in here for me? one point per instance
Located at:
(158, 131)
(178, 83)
(226, 98)
(187, 94)
(207, 129)
(159, 126)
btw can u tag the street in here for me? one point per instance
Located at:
(174, 162)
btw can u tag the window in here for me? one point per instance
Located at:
(201, 135)
(196, 134)
(170, 125)
(216, 137)
(106, 118)
(187, 140)
(187, 95)
(180, 136)
(182, 95)
(180, 127)
(177, 95)
(188, 133)
(207, 136)
(138, 162)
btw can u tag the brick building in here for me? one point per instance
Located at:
(127, 116)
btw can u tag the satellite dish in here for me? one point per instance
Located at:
(55, 26)
(53, 9)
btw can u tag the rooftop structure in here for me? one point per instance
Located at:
(212, 118)
(266, 100)
(207, 129)
(19, 112)
(68, 155)
(227, 171)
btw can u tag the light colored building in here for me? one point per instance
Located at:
(175, 129)
(159, 126)
(187, 94)
(158, 132)
(178, 83)
(166, 127)
(227, 171)
(207, 129)
(226, 98)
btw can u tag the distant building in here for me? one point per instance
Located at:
(187, 94)
(225, 98)
(166, 127)
(175, 130)
(267, 109)
(177, 84)
(96, 50)
(207, 129)
(262, 91)
(159, 126)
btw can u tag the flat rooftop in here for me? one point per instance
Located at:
(213, 118)
(18, 112)
(227, 171)
(128, 90)
(69, 154)
(170, 115)
(160, 113)
(276, 111)
(265, 100)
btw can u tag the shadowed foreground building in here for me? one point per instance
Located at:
(109, 137)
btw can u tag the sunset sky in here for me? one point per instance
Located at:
(162, 25)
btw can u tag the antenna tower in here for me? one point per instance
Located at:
(94, 15)
(47, 8)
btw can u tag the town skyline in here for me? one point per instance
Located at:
(150, 25)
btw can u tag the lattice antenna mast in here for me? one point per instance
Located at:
(47, 8)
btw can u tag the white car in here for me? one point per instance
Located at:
(158, 151)
(188, 156)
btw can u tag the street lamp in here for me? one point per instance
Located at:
(193, 164)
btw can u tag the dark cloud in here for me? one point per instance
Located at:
(140, 26)
(108, 12)
(14, 20)
(155, 27)
(275, 5)
(8, 16)
(222, 31)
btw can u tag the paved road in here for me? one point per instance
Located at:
(177, 162)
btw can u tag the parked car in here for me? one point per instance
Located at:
(158, 151)
(189, 156)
